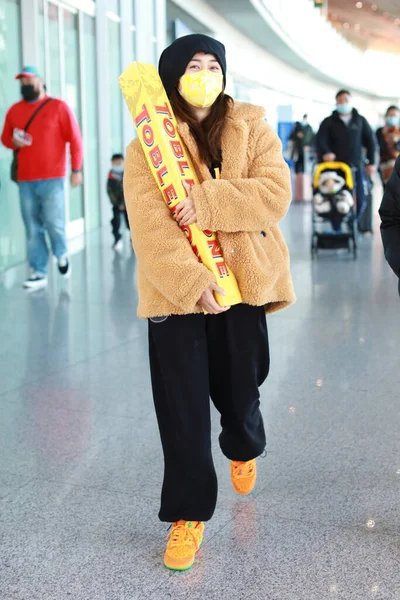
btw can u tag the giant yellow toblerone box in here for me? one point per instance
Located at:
(155, 124)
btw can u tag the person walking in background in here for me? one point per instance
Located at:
(225, 353)
(389, 142)
(38, 128)
(344, 136)
(390, 219)
(115, 191)
(302, 138)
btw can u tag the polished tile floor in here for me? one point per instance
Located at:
(80, 458)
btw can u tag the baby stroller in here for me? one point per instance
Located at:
(333, 211)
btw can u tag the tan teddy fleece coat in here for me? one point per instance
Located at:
(243, 207)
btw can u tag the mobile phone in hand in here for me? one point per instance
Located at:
(22, 136)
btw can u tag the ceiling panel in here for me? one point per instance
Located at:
(368, 24)
(245, 17)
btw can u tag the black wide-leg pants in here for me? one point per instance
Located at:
(193, 358)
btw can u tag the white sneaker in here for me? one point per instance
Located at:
(64, 266)
(36, 281)
(118, 246)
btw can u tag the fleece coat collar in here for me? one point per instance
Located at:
(235, 134)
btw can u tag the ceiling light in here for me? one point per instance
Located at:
(374, 7)
(397, 21)
(359, 5)
(357, 27)
(346, 25)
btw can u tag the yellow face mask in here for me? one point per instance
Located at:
(201, 89)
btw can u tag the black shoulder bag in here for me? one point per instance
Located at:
(14, 164)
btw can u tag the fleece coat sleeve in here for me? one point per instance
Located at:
(251, 204)
(390, 216)
(161, 247)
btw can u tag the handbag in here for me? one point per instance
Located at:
(14, 163)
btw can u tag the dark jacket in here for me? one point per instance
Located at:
(307, 139)
(346, 141)
(390, 217)
(115, 189)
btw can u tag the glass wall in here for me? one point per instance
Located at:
(133, 29)
(74, 44)
(114, 71)
(53, 77)
(155, 33)
(179, 23)
(59, 56)
(12, 235)
(91, 120)
(41, 54)
(72, 95)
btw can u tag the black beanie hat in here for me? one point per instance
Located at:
(175, 58)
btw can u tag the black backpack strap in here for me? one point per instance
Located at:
(39, 108)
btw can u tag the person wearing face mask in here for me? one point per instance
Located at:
(345, 136)
(199, 349)
(389, 142)
(301, 141)
(37, 129)
(302, 137)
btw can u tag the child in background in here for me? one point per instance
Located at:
(115, 192)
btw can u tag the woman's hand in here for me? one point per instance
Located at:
(185, 210)
(209, 303)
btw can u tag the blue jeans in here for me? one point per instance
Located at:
(42, 208)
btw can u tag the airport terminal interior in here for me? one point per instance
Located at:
(81, 462)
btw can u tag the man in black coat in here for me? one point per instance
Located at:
(343, 137)
(390, 217)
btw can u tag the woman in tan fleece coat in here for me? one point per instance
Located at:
(223, 354)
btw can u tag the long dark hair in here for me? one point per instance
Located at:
(207, 133)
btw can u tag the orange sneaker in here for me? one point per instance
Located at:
(185, 538)
(243, 476)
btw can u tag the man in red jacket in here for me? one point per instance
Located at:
(41, 169)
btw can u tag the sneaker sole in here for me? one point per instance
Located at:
(239, 493)
(179, 569)
(244, 493)
(182, 568)
(40, 286)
